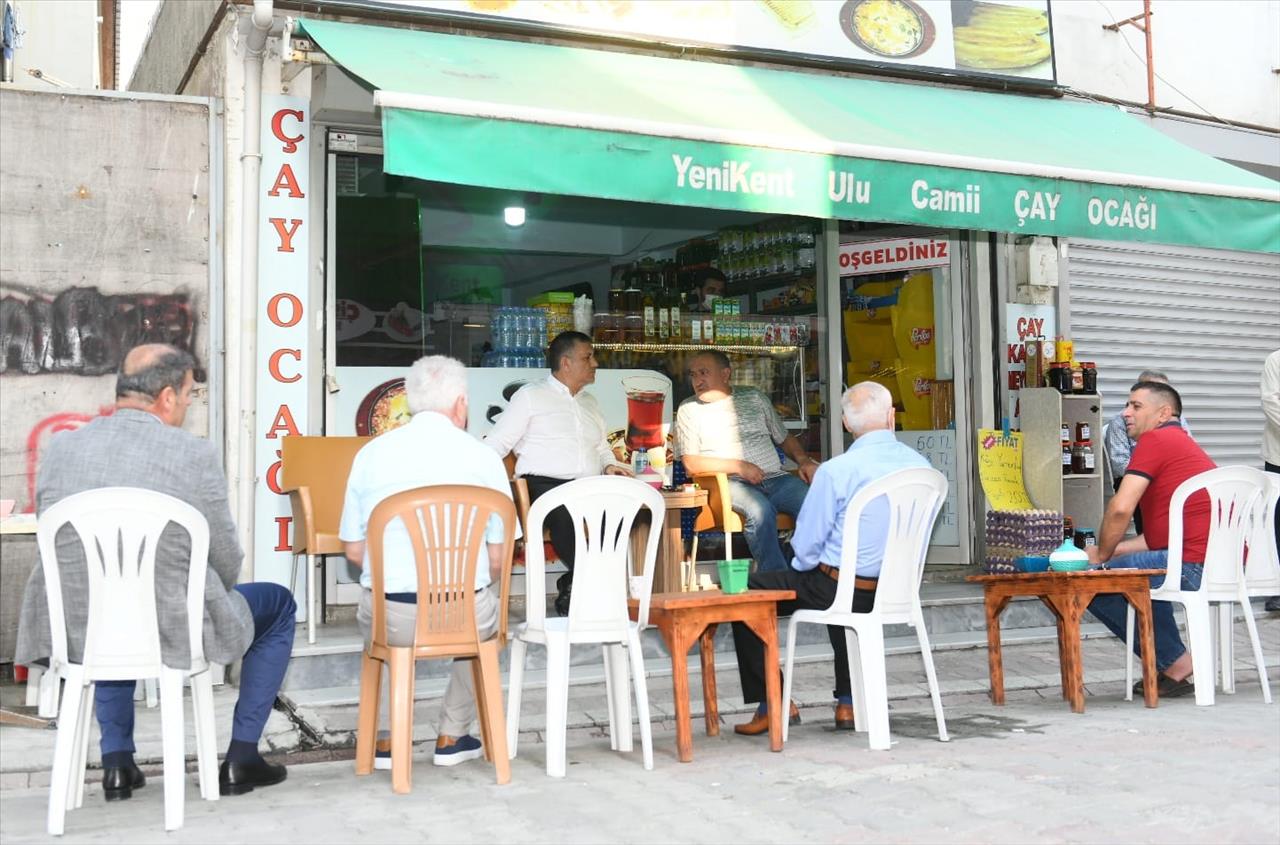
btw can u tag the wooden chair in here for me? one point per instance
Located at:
(718, 513)
(314, 472)
(446, 527)
(519, 493)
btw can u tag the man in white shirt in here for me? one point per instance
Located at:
(735, 430)
(432, 448)
(558, 434)
(1269, 388)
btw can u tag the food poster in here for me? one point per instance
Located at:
(1003, 37)
(371, 400)
(889, 334)
(1000, 470)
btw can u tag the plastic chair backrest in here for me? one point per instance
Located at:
(322, 465)
(1262, 568)
(1233, 497)
(446, 526)
(915, 497)
(603, 509)
(120, 528)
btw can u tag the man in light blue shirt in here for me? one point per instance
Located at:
(869, 416)
(432, 448)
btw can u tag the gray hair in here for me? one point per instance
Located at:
(865, 406)
(434, 383)
(167, 367)
(1153, 375)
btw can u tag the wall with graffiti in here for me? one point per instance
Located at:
(104, 244)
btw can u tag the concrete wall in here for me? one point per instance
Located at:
(175, 38)
(1218, 56)
(61, 40)
(104, 243)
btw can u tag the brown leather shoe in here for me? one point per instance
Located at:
(844, 718)
(759, 723)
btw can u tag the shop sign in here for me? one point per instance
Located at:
(1023, 323)
(708, 174)
(1000, 38)
(864, 257)
(283, 309)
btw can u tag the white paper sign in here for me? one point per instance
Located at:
(939, 447)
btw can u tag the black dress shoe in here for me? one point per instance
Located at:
(1273, 604)
(239, 778)
(119, 782)
(564, 587)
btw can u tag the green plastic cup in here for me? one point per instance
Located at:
(733, 576)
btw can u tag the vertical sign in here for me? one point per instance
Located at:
(283, 305)
(1023, 323)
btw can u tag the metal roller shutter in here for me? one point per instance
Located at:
(1206, 317)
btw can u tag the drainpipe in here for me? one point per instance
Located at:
(250, 168)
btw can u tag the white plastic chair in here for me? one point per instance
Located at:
(1234, 494)
(1261, 573)
(914, 497)
(603, 510)
(120, 528)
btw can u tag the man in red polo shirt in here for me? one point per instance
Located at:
(1165, 456)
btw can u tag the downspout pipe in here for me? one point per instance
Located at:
(250, 170)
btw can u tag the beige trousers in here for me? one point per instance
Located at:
(458, 710)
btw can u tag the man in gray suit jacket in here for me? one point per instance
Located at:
(142, 445)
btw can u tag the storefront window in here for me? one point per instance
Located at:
(432, 268)
(896, 312)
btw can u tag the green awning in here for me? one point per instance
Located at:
(577, 121)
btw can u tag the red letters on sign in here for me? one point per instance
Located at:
(282, 534)
(285, 179)
(286, 235)
(273, 310)
(283, 422)
(273, 365)
(277, 129)
(273, 475)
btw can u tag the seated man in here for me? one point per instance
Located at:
(432, 448)
(143, 445)
(733, 430)
(869, 416)
(1119, 444)
(558, 434)
(709, 285)
(1165, 457)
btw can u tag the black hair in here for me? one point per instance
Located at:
(1164, 391)
(707, 273)
(167, 368)
(562, 345)
(721, 359)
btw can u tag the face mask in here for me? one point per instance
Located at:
(709, 299)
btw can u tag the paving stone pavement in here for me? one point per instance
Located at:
(1030, 770)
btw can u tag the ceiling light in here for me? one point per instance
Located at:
(513, 215)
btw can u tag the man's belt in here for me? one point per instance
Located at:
(861, 583)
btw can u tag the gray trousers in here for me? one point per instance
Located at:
(458, 710)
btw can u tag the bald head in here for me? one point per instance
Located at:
(867, 406)
(156, 378)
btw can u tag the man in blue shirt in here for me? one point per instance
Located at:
(869, 416)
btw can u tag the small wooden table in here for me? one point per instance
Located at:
(682, 618)
(666, 570)
(1067, 595)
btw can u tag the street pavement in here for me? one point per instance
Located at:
(1030, 771)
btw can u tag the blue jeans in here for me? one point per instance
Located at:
(261, 673)
(759, 506)
(1110, 609)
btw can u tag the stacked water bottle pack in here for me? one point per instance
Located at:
(1014, 535)
(519, 338)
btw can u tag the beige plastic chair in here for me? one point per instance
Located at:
(718, 513)
(446, 527)
(314, 471)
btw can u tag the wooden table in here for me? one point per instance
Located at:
(1067, 595)
(666, 570)
(682, 618)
